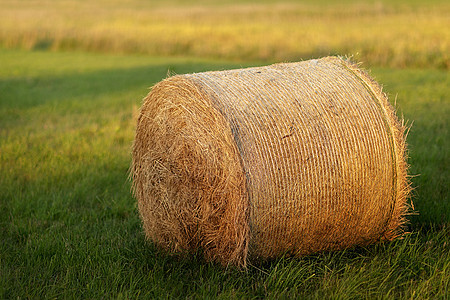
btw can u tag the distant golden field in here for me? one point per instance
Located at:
(395, 34)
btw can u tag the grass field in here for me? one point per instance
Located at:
(69, 225)
(396, 33)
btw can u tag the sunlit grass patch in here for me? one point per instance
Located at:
(398, 33)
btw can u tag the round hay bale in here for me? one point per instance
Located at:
(255, 163)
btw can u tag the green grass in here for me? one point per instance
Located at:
(70, 227)
(422, 98)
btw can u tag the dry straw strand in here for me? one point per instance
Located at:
(256, 163)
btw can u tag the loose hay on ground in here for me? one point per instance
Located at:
(255, 163)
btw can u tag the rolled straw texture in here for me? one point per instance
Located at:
(255, 163)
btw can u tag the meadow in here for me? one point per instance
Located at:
(396, 33)
(70, 92)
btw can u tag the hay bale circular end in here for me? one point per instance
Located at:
(256, 163)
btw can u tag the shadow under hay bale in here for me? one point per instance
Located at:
(256, 163)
